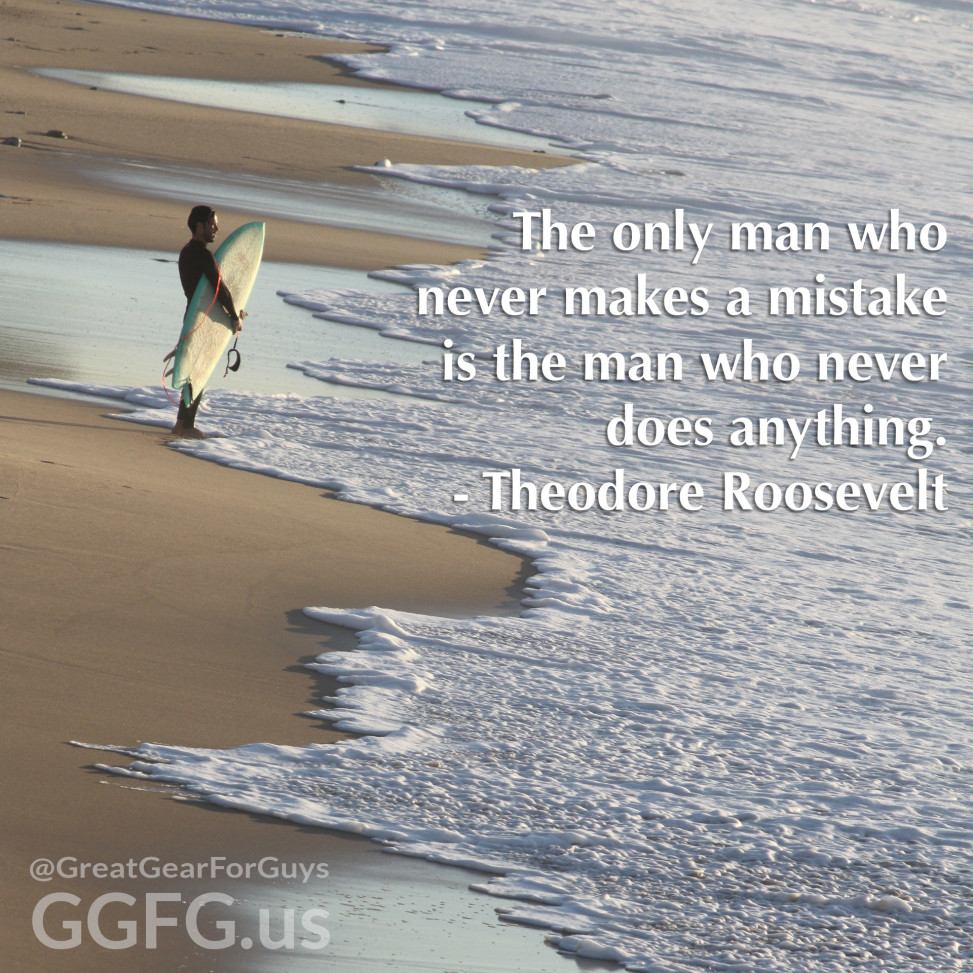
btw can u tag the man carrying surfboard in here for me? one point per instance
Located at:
(196, 261)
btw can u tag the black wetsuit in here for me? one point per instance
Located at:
(195, 260)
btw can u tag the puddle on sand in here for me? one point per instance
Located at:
(398, 206)
(104, 316)
(385, 109)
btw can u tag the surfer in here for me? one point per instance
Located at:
(195, 259)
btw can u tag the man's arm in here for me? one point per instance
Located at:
(223, 294)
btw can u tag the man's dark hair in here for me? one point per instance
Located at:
(199, 214)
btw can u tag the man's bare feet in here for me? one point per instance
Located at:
(190, 432)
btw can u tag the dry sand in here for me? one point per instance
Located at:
(119, 626)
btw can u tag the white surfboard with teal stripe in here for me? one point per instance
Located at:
(206, 328)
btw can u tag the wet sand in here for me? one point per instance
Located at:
(46, 195)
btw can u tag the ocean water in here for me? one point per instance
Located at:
(730, 734)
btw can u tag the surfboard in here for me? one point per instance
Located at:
(206, 328)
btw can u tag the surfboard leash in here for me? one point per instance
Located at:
(232, 364)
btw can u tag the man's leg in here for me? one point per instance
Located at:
(185, 424)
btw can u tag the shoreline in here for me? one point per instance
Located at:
(115, 635)
(98, 591)
(43, 195)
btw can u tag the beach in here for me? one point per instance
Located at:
(115, 633)
(617, 719)
(148, 596)
(46, 198)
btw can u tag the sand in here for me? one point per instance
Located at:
(130, 614)
(46, 195)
